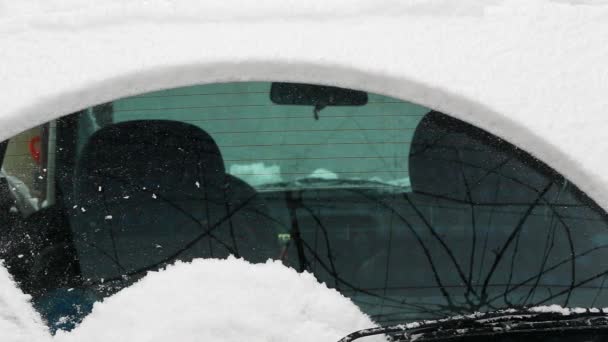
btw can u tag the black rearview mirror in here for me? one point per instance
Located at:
(315, 95)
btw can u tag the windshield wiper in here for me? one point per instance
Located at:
(510, 321)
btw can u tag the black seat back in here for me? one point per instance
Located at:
(151, 192)
(454, 160)
(482, 195)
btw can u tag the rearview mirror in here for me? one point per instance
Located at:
(315, 95)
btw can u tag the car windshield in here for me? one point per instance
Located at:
(409, 212)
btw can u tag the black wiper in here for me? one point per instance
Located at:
(511, 321)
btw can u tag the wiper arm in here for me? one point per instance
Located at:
(492, 323)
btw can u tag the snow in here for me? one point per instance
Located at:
(562, 310)
(323, 174)
(551, 308)
(18, 320)
(223, 301)
(205, 300)
(257, 173)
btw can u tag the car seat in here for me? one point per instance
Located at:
(478, 193)
(150, 192)
(456, 161)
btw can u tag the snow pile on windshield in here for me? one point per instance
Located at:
(18, 320)
(222, 301)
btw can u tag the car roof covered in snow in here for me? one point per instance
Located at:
(531, 71)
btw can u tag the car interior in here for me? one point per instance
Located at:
(418, 222)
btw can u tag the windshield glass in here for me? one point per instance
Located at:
(409, 212)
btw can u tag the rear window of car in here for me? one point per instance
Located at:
(264, 143)
(409, 212)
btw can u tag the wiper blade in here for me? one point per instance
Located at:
(492, 323)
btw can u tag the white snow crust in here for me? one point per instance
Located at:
(257, 173)
(564, 311)
(323, 174)
(19, 322)
(216, 300)
(222, 301)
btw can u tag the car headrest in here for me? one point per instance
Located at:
(454, 160)
(149, 153)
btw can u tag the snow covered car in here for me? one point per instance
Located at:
(418, 183)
